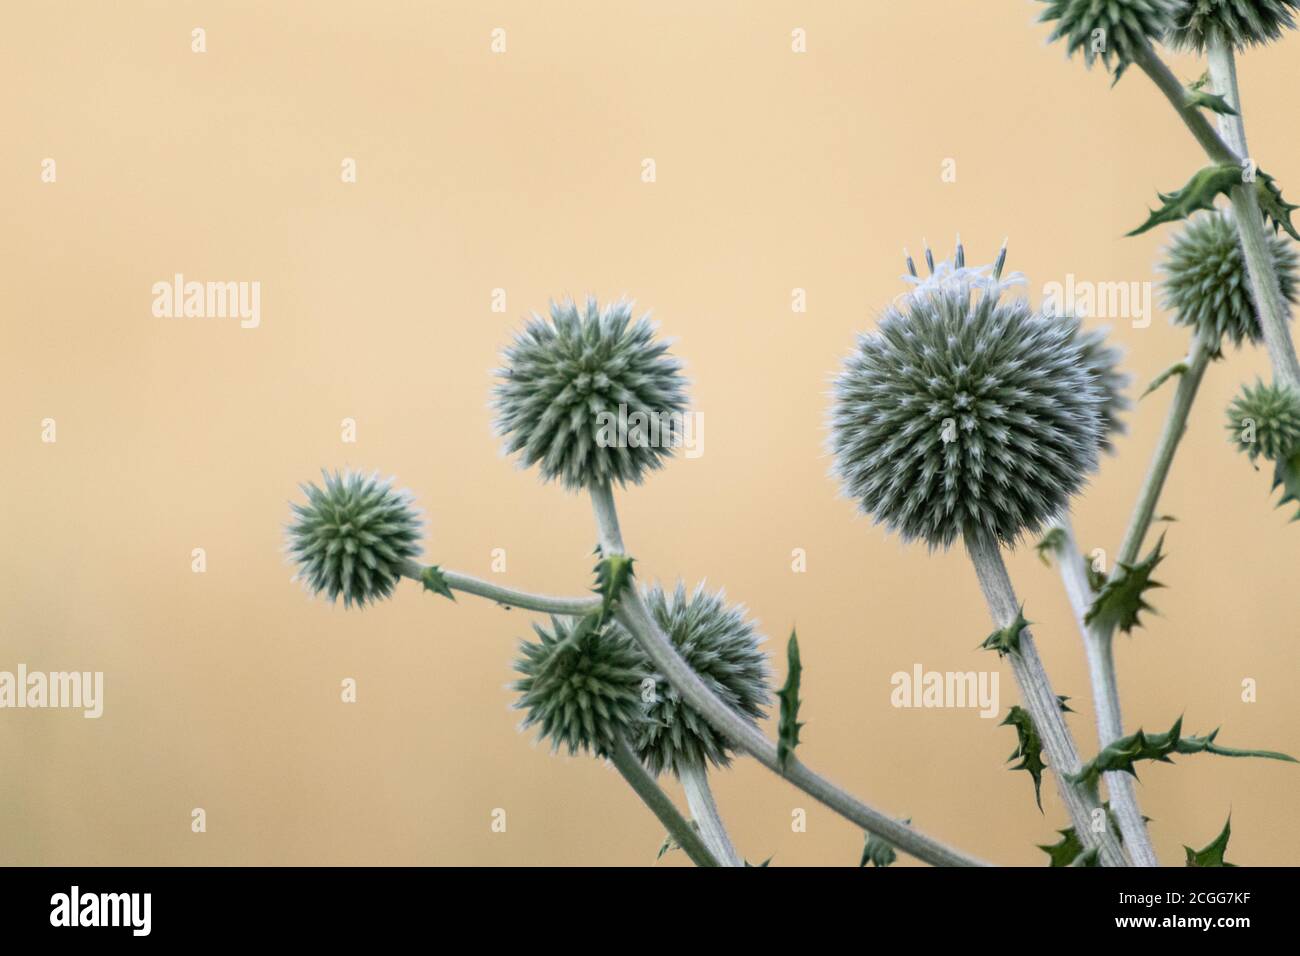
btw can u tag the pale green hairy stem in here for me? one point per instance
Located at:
(1081, 801)
(704, 809)
(1106, 700)
(634, 616)
(1098, 641)
(639, 779)
(1265, 291)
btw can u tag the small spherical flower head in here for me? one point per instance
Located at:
(1207, 285)
(353, 537)
(581, 686)
(963, 413)
(590, 396)
(1198, 24)
(1101, 359)
(1265, 421)
(722, 647)
(1109, 29)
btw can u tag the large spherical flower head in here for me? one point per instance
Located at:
(1102, 359)
(353, 537)
(722, 646)
(590, 396)
(962, 413)
(581, 685)
(1206, 283)
(1265, 420)
(1240, 23)
(1109, 29)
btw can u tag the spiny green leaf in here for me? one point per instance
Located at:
(1051, 544)
(433, 580)
(878, 851)
(788, 726)
(1088, 858)
(1122, 754)
(1029, 748)
(1065, 708)
(1122, 598)
(1068, 849)
(613, 577)
(1199, 193)
(1273, 205)
(1178, 368)
(1212, 855)
(1210, 101)
(1286, 475)
(1007, 639)
(759, 866)
(1064, 852)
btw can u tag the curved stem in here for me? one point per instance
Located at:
(1267, 296)
(509, 597)
(1106, 700)
(1264, 289)
(1041, 701)
(704, 809)
(744, 735)
(1175, 425)
(639, 779)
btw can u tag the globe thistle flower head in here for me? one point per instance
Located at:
(581, 685)
(1265, 421)
(722, 647)
(1108, 30)
(1102, 359)
(353, 537)
(568, 382)
(1207, 285)
(965, 413)
(1197, 24)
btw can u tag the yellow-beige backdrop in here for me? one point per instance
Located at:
(523, 171)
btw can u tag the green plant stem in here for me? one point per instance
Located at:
(1106, 700)
(633, 615)
(1250, 225)
(1099, 641)
(1041, 701)
(1175, 425)
(704, 809)
(509, 597)
(1265, 291)
(639, 779)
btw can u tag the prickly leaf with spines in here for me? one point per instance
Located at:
(1122, 598)
(788, 727)
(1122, 755)
(1212, 855)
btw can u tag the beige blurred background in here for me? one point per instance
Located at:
(522, 171)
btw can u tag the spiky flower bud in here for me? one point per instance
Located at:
(581, 685)
(964, 412)
(1106, 29)
(567, 381)
(1240, 23)
(1101, 359)
(353, 537)
(1206, 283)
(1265, 420)
(722, 647)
